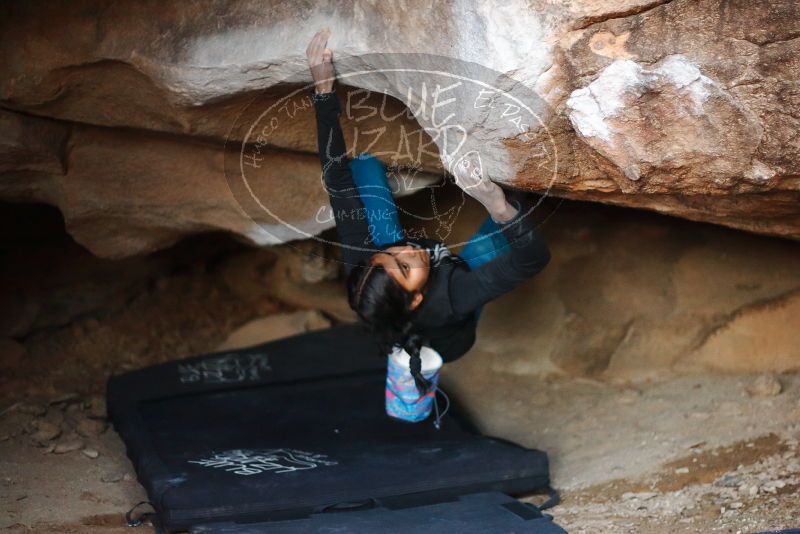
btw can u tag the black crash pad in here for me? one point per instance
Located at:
(468, 514)
(285, 429)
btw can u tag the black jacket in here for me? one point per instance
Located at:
(446, 316)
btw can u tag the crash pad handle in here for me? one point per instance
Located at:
(132, 522)
(352, 506)
(553, 499)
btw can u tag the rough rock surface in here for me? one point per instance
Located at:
(633, 297)
(118, 113)
(277, 326)
(696, 141)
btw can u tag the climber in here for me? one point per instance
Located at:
(415, 292)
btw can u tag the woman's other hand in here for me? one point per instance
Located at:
(320, 61)
(469, 176)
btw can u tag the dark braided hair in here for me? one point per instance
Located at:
(384, 306)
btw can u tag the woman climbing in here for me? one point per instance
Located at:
(414, 292)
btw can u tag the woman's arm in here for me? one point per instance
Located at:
(348, 209)
(527, 255)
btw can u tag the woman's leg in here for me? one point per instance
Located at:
(369, 176)
(486, 243)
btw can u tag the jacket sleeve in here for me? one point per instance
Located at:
(348, 209)
(527, 255)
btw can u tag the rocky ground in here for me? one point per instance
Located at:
(699, 452)
(688, 454)
(695, 454)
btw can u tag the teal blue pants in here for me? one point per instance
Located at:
(369, 175)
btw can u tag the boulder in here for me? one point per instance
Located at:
(273, 327)
(699, 110)
(68, 446)
(45, 431)
(138, 123)
(765, 386)
(90, 428)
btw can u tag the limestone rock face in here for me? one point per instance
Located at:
(119, 113)
(714, 81)
(688, 128)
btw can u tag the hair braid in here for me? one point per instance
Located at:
(412, 343)
(385, 307)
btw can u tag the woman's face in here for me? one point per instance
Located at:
(408, 266)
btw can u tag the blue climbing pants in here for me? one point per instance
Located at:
(369, 175)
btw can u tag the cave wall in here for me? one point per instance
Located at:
(118, 113)
(628, 296)
(634, 296)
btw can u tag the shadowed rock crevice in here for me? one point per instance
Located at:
(763, 305)
(583, 23)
